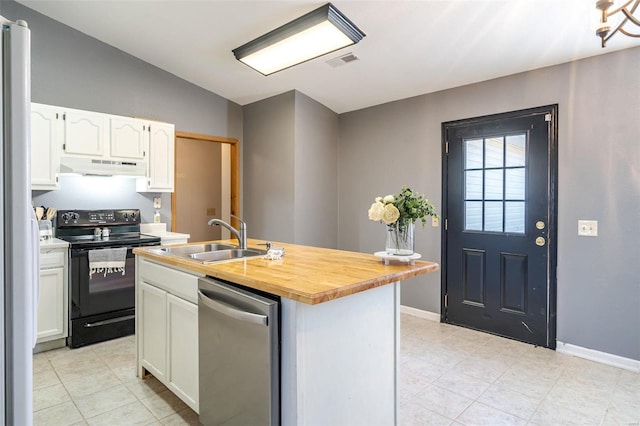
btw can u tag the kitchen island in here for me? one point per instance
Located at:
(339, 330)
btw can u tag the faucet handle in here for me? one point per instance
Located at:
(268, 244)
(242, 222)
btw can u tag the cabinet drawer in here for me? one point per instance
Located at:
(173, 281)
(52, 258)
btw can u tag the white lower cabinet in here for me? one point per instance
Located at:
(51, 305)
(182, 338)
(52, 298)
(152, 340)
(167, 328)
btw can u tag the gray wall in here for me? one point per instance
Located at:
(74, 70)
(269, 171)
(290, 148)
(384, 147)
(316, 175)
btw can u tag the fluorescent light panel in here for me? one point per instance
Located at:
(317, 33)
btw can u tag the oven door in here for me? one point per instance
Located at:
(101, 293)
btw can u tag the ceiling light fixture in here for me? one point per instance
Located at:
(317, 33)
(624, 11)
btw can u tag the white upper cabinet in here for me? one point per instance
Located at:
(161, 159)
(46, 143)
(128, 138)
(85, 133)
(61, 136)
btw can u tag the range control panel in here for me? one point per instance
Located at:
(69, 218)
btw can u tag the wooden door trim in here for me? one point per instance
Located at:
(234, 172)
(552, 295)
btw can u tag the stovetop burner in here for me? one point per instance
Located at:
(77, 228)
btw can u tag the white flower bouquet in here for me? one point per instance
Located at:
(400, 212)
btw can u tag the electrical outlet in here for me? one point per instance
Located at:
(588, 228)
(435, 221)
(211, 211)
(157, 203)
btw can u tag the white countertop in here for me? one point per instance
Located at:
(53, 243)
(160, 230)
(168, 235)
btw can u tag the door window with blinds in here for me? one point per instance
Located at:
(494, 184)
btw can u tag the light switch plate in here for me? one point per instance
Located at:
(435, 221)
(588, 228)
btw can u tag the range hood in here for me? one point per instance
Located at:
(95, 167)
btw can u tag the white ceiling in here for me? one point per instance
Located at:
(410, 48)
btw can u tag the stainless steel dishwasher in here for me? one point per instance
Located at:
(239, 355)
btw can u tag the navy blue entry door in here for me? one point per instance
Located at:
(499, 241)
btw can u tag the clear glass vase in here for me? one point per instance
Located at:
(400, 238)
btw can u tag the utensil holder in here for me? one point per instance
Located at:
(46, 230)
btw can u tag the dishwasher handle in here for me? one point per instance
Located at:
(232, 312)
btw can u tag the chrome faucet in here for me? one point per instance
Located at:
(240, 234)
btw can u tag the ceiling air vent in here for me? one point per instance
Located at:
(342, 60)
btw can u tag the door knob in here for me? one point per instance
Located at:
(540, 241)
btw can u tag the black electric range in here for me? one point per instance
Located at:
(102, 304)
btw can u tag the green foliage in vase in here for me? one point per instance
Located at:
(405, 206)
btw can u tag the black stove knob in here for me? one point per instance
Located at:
(75, 216)
(126, 215)
(66, 217)
(133, 216)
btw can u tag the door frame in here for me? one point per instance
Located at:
(234, 148)
(552, 191)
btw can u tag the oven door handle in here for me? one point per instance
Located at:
(82, 251)
(109, 321)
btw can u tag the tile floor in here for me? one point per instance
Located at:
(448, 375)
(452, 375)
(97, 385)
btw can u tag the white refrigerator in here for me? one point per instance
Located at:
(18, 227)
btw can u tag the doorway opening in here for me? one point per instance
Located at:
(500, 180)
(206, 184)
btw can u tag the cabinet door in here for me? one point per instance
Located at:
(182, 337)
(127, 138)
(161, 157)
(51, 305)
(153, 322)
(45, 146)
(84, 133)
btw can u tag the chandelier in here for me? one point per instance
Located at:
(620, 18)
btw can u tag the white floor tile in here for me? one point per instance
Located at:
(49, 396)
(442, 401)
(58, 415)
(131, 414)
(104, 401)
(482, 415)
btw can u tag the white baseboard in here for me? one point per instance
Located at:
(597, 356)
(431, 316)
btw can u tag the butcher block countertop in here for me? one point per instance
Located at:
(306, 274)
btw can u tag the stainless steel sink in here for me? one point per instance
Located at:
(218, 255)
(187, 251)
(210, 253)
